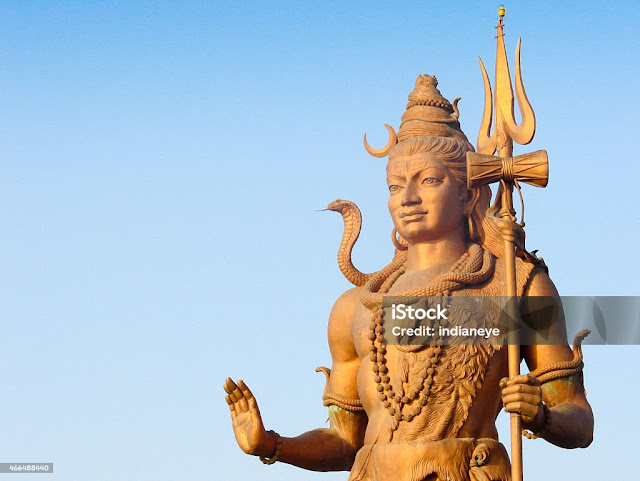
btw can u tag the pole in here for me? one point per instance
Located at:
(513, 351)
(484, 168)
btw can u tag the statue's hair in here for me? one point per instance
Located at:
(452, 153)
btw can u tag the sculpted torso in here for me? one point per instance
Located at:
(488, 400)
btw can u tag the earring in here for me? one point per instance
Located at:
(398, 241)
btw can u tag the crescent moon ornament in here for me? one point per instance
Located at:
(393, 140)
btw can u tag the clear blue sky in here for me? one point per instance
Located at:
(161, 163)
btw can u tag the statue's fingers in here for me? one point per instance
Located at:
(234, 398)
(531, 399)
(245, 390)
(251, 400)
(232, 408)
(234, 417)
(235, 394)
(521, 388)
(228, 385)
(522, 379)
(238, 397)
(521, 408)
(230, 393)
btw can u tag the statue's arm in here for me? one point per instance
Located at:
(334, 448)
(323, 449)
(567, 420)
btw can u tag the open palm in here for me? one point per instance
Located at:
(245, 417)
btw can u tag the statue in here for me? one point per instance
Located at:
(427, 412)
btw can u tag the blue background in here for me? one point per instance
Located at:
(161, 163)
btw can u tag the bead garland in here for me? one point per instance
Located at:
(392, 400)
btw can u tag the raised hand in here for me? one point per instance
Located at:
(523, 395)
(247, 422)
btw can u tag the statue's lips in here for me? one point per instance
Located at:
(412, 216)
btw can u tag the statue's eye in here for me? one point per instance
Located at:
(394, 188)
(431, 180)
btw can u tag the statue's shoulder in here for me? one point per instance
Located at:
(342, 319)
(540, 284)
(346, 308)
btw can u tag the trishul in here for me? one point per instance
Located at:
(485, 168)
(506, 131)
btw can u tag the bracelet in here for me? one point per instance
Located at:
(547, 421)
(276, 454)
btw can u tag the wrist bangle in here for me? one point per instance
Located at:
(546, 422)
(276, 454)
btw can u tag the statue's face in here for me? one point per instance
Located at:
(425, 201)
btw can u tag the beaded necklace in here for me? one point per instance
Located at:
(475, 266)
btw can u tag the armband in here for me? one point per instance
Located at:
(556, 370)
(348, 404)
(333, 399)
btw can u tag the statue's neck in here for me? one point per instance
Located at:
(441, 252)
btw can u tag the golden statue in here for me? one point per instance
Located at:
(427, 412)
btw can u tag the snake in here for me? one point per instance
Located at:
(560, 369)
(352, 218)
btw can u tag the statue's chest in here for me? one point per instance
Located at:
(433, 387)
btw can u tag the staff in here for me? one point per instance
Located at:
(484, 168)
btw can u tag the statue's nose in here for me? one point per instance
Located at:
(410, 195)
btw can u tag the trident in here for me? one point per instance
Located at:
(484, 168)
